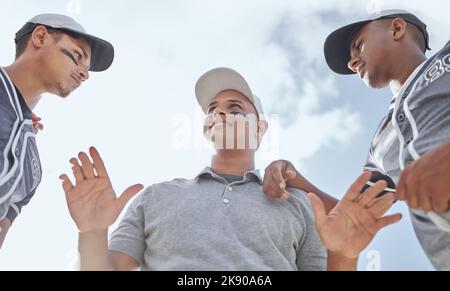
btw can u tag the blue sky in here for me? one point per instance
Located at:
(137, 112)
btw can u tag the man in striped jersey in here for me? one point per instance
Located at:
(53, 55)
(411, 148)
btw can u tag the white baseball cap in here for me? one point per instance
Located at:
(102, 51)
(220, 79)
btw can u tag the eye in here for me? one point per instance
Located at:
(359, 46)
(211, 109)
(235, 105)
(78, 55)
(69, 55)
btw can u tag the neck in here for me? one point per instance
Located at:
(27, 81)
(233, 162)
(404, 67)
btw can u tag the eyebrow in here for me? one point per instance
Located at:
(236, 101)
(84, 52)
(229, 101)
(213, 103)
(353, 41)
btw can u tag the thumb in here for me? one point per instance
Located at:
(319, 210)
(129, 193)
(291, 173)
(387, 220)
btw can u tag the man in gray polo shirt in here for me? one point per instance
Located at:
(221, 219)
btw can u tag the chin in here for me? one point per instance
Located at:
(377, 85)
(374, 83)
(375, 80)
(62, 92)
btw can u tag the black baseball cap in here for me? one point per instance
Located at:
(336, 49)
(102, 51)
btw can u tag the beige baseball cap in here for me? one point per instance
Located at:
(220, 79)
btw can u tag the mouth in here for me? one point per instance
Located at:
(361, 71)
(77, 81)
(219, 124)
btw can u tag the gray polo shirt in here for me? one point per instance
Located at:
(210, 224)
(418, 121)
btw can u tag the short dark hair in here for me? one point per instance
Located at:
(21, 44)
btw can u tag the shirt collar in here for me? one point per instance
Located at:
(254, 174)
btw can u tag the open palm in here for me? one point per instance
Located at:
(352, 224)
(92, 201)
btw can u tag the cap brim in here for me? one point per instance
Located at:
(217, 80)
(336, 48)
(102, 54)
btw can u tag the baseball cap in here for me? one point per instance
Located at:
(336, 49)
(220, 79)
(102, 51)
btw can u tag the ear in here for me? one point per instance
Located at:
(398, 28)
(40, 36)
(263, 125)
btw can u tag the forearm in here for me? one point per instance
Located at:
(339, 263)
(5, 224)
(303, 184)
(93, 248)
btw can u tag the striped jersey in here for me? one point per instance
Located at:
(20, 167)
(418, 121)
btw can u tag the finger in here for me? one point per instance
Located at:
(279, 187)
(278, 177)
(401, 186)
(35, 117)
(66, 183)
(77, 172)
(99, 166)
(381, 205)
(355, 189)
(440, 205)
(387, 220)
(86, 165)
(319, 210)
(268, 186)
(129, 193)
(291, 173)
(371, 193)
(285, 195)
(424, 200)
(411, 192)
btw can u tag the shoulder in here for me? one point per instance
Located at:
(166, 187)
(300, 198)
(173, 184)
(436, 72)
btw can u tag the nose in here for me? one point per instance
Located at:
(219, 112)
(353, 63)
(84, 74)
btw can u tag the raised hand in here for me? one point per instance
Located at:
(352, 224)
(92, 201)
